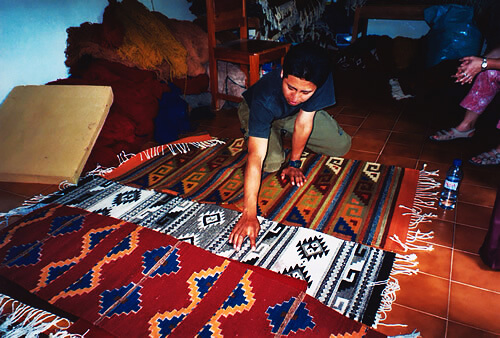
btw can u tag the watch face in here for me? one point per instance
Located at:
(484, 65)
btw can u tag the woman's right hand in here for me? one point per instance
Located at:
(468, 69)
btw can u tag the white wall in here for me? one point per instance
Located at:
(33, 35)
(393, 28)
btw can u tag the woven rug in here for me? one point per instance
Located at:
(364, 202)
(133, 281)
(348, 277)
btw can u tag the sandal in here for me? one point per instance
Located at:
(491, 157)
(453, 133)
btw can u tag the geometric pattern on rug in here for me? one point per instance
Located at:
(350, 199)
(339, 273)
(137, 282)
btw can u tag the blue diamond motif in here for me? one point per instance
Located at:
(122, 246)
(56, 271)
(168, 325)
(171, 264)
(130, 303)
(83, 283)
(23, 255)
(277, 314)
(58, 225)
(301, 320)
(96, 238)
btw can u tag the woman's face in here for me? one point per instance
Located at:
(296, 90)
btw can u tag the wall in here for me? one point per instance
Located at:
(392, 28)
(33, 35)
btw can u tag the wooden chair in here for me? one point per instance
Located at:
(224, 15)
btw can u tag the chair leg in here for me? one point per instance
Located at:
(254, 69)
(214, 83)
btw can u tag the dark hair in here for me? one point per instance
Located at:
(307, 61)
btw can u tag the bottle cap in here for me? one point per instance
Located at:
(457, 162)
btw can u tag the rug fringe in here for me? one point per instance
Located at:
(99, 171)
(178, 148)
(426, 197)
(403, 265)
(20, 320)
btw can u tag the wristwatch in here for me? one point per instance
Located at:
(484, 64)
(295, 164)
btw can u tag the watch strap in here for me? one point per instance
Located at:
(484, 64)
(295, 164)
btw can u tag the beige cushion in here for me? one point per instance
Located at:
(47, 132)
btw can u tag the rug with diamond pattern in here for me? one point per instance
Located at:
(133, 281)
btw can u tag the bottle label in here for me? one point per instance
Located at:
(451, 185)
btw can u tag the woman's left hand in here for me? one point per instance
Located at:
(468, 69)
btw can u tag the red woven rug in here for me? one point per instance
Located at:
(133, 281)
(353, 200)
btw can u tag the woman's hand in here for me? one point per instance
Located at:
(246, 226)
(468, 69)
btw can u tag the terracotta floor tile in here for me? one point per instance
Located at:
(406, 138)
(354, 111)
(10, 201)
(437, 156)
(475, 307)
(469, 269)
(424, 292)
(469, 238)
(369, 140)
(436, 262)
(409, 125)
(485, 177)
(361, 155)
(380, 122)
(334, 110)
(349, 120)
(400, 161)
(350, 130)
(475, 194)
(457, 330)
(428, 325)
(445, 214)
(443, 232)
(24, 189)
(396, 149)
(475, 215)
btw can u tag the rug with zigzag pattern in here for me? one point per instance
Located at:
(350, 199)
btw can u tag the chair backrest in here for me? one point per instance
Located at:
(225, 15)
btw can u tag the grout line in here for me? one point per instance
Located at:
(458, 282)
(474, 327)
(449, 279)
(420, 311)
(476, 287)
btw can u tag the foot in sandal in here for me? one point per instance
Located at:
(491, 157)
(453, 133)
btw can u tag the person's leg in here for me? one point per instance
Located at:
(491, 157)
(244, 115)
(468, 122)
(486, 85)
(327, 137)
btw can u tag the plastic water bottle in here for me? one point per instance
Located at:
(448, 197)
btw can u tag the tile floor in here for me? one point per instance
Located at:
(454, 294)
